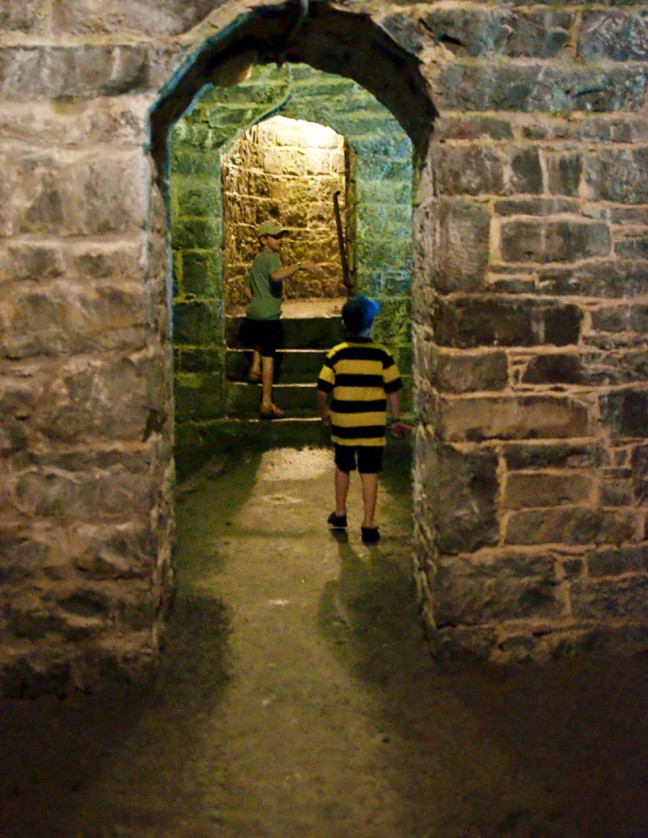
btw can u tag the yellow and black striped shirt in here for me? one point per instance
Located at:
(359, 373)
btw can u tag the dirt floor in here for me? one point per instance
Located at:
(297, 697)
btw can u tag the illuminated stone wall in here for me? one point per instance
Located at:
(288, 170)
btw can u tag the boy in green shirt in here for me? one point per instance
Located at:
(263, 290)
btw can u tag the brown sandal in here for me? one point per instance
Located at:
(272, 412)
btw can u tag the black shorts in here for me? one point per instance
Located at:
(369, 457)
(264, 335)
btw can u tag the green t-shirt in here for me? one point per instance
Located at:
(266, 294)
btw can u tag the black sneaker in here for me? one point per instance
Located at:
(370, 535)
(337, 522)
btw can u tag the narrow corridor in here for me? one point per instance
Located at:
(297, 698)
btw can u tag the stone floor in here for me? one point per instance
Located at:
(297, 698)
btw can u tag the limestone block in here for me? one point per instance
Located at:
(74, 194)
(94, 17)
(474, 31)
(25, 16)
(618, 561)
(533, 455)
(65, 319)
(196, 233)
(632, 246)
(198, 396)
(198, 199)
(601, 599)
(464, 232)
(564, 172)
(470, 372)
(27, 260)
(83, 71)
(570, 525)
(197, 323)
(553, 241)
(114, 398)
(121, 120)
(624, 413)
(536, 206)
(542, 417)
(470, 127)
(619, 175)
(201, 272)
(546, 489)
(614, 35)
(470, 591)
(462, 487)
(489, 321)
(529, 88)
(640, 474)
(119, 551)
(608, 279)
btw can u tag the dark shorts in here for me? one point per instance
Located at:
(369, 458)
(264, 335)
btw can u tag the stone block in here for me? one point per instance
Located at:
(463, 488)
(462, 246)
(201, 272)
(614, 279)
(78, 72)
(533, 455)
(568, 525)
(197, 323)
(196, 234)
(476, 31)
(22, 261)
(469, 170)
(23, 16)
(114, 398)
(555, 369)
(536, 87)
(640, 474)
(564, 173)
(632, 247)
(65, 319)
(602, 600)
(81, 17)
(470, 372)
(618, 561)
(468, 591)
(198, 396)
(618, 175)
(613, 35)
(546, 489)
(616, 493)
(554, 241)
(203, 359)
(471, 322)
(542, 417)
(624, 413)
(199, 199)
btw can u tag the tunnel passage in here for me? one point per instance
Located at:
(280, 144)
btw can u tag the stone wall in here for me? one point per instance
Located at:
(531, 356)
(289, 170)
(529, 300)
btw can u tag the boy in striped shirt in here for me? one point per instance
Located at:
(361, 377)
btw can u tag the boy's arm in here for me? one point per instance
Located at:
(397, 427)
(290, 270)
(322, 403)
(247, 293)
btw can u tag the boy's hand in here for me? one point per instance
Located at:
(399, 429)
(311, 266)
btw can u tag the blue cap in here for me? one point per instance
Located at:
(358, 313)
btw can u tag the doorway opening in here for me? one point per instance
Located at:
(280, 144)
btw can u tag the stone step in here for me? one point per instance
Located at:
(298, 332)
(292, 366)
(297, 400)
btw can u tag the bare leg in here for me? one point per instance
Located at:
(369, 497)
(255, 369)
(267, 375)
(342, 480)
